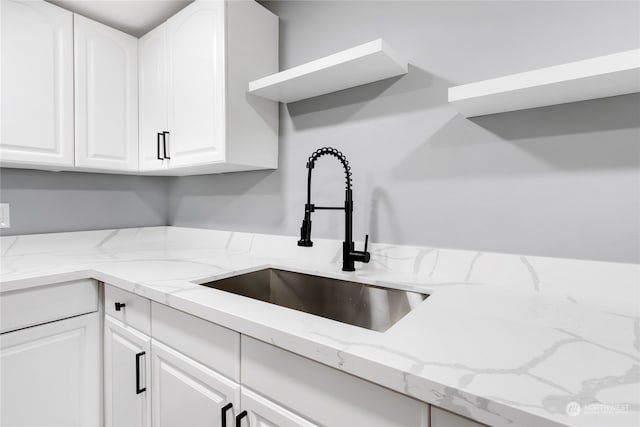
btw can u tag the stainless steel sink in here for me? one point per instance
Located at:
(358, 304)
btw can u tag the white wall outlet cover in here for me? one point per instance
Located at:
(5, 215)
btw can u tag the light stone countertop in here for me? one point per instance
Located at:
(503, 339)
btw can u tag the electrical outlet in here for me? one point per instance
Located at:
(5, 215)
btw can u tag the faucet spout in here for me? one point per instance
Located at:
(349, 254)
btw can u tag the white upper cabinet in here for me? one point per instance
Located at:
(195, 114)
(152, 78)
(36, 124)
(106, 96)
(196, 48)
(79, 95)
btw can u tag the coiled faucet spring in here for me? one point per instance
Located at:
(338, 155)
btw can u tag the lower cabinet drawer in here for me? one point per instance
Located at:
(34, 306)
(324, 395)
(212, 345)
(130, 309)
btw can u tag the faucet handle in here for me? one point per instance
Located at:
(366, 256)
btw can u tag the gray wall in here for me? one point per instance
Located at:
(44, 202)
(559, 181)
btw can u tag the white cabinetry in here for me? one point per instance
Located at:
(195, 114)
(127, 353)
(181, 388)
(36, 123)
(262, 412)
(322, 394)
(152, 79)
(196, 54)
(79, 95)
(187, 393)
(106, 96)
(50, 372)
(193, 377)
(126, 370)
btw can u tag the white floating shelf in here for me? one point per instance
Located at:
(362, 64)
(600, 77)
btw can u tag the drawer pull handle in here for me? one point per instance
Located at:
(239, 418)
(138, 389)
(120, 306)
(225, 408)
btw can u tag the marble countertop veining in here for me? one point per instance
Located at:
(503, 339)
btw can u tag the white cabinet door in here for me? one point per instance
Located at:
(187, 393)
(50, 374)
(262, 412)
(325, 395)
(196, 59)
(106, 95)
(126, 370)
(152, 72)
(36, 121)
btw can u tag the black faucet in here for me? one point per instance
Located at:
(349, 254)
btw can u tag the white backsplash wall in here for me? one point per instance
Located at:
(560, 181)
(45, 202)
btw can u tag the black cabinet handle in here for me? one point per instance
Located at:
(225, 408)
(159, 135)
(164, 138)
(239, 418)
(120, 306)
(138, 389)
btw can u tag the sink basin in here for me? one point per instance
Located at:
(358, 304)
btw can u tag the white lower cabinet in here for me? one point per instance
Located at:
(324, 395)
(126, 369)
(261, 412)
(187, 393)
(50, 374)
(191, 371)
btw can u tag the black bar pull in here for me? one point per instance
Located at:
(164, 139)
(159, 135)
(239, 418)
(328, 208)
(224, 410)
(120, 306)
(138, 389)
